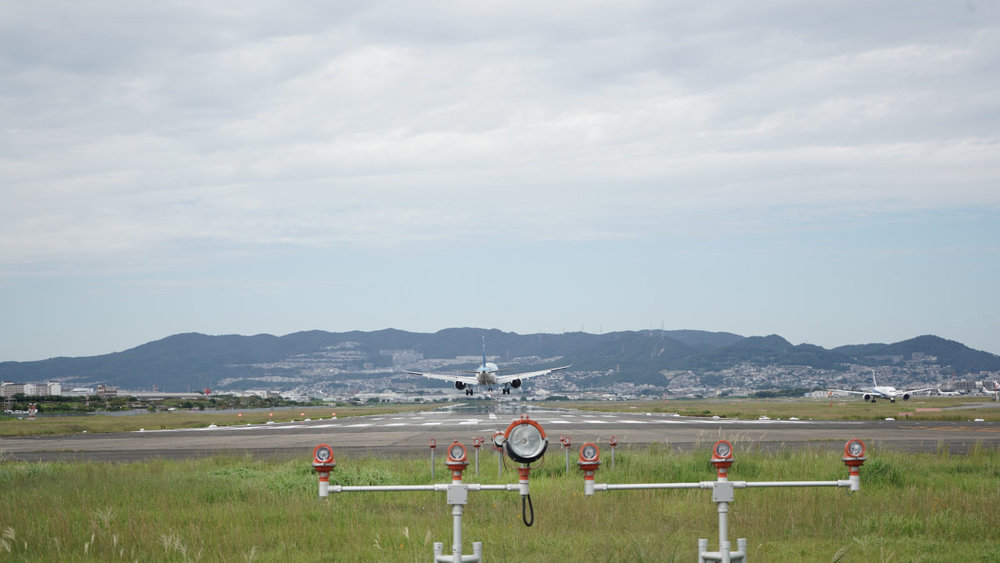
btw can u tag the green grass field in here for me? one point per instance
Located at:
(911, 507)
(921, 408)
(101, 423)
(929, 409)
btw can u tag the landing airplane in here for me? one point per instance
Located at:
(883, 392)
(487, 374)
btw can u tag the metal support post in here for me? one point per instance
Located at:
(324, 485)
(566, 443)
(613, 442)
(476, 443)
(456, 532)
(432, 443)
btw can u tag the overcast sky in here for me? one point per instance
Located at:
(826, 172)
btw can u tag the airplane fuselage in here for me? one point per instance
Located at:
(886, 392)
(486, 374)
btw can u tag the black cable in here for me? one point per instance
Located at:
(526, 501)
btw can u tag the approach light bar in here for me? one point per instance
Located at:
(323, 464)
(722, 458)
(854, 458)
(590, 460)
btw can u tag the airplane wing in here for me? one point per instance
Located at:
(912, 391)
(511, 377)
(847, 391)
(466, 379)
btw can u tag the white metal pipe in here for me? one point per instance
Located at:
(744, 484)
(436, 487)
(724, 531)
(376, 488)
(456, 531)
(637, 486)
(507, 487)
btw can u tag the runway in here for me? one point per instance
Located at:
(410, 432)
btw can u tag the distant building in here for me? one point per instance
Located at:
(967, 386)
(48, 389)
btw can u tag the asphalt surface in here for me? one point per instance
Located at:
(411, 432)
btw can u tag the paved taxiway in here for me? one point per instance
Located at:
(411, 432)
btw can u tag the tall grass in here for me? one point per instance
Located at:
(912, 507)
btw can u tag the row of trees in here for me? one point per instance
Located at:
(96, 403)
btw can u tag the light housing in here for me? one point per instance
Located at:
(524, 440)
(854, 455)
(590, 454)
(456, 453)
(323, 460)
(432, 443)
(854, 448)
(722, 450)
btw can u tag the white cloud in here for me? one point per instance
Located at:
(132, 128)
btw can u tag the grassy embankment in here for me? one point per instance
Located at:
(912, 507)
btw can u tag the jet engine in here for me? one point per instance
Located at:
(906, 396)
(515, 383)
(866, 397)
(459, 385)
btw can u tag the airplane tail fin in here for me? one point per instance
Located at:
(874, 383)
(484, 350)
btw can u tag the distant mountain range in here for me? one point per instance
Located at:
(191, 361)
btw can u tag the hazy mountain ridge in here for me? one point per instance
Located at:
(193, 360)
